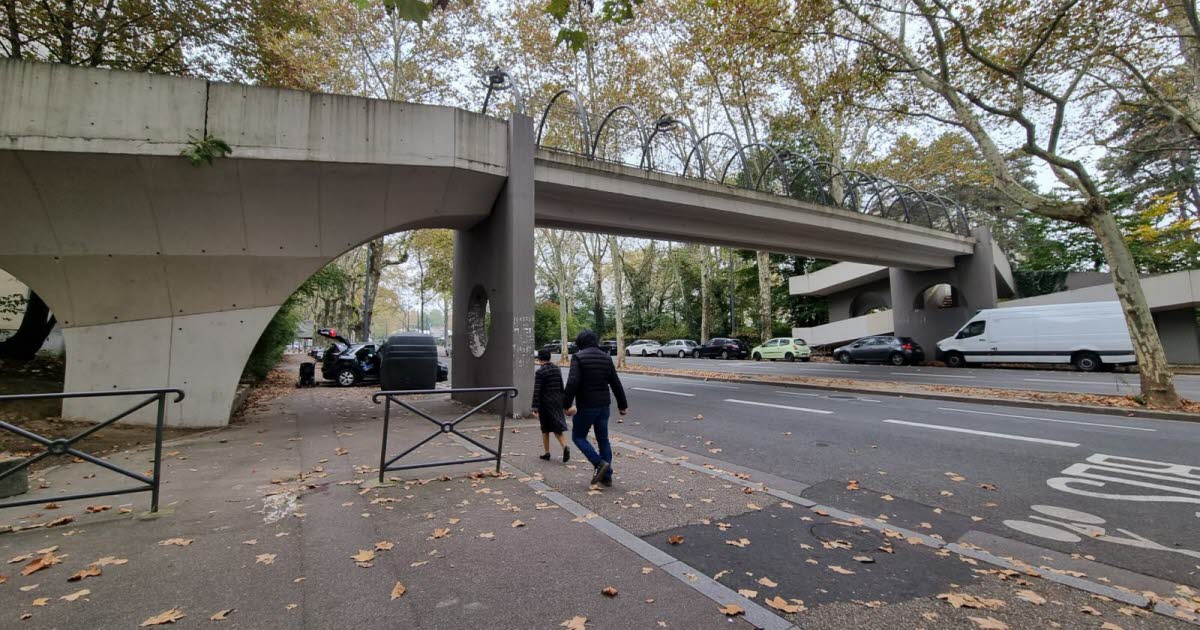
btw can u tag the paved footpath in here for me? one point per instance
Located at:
(277, 521)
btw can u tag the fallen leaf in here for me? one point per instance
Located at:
(836, 569)
(398, 591)
(1088, 610)
(752, 506)
(364, 555)
(221, 615)
(91, 571)
(864, 559)
(41, 601)
(37, 564)
(575, 623)
(440, 532)
(62, 520)
(1108, 625)
(888, 497)
(988, 623)
(182, 542)
(94, 509)
(383, 545)
(609, 591)
(264, 558)
(453, 520)
(518, 523)
(166, 616)
(767, 582)
(779, 603)
(76, 595)
(930, 616)
(1031, 597)
(853, 485)
(646, 570)
(732, 610)
(747, 593)
(962, 600)
(252, 541)
(107, 560)
(740, 543)
(675, 540)
(26, 589)
(987, 486)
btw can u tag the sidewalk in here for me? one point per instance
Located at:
(278, 520)
(266, 519)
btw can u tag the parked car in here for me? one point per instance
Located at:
(1091, 336)
(316, 353)
(786, 348)
(677, 348)
(642, 348)
(555, 347)
(350, 364)
(723, 348)
(610, 345)
(881, 349)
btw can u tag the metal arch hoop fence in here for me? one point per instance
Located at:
(64, 447)
(389, 397)
(850, 189)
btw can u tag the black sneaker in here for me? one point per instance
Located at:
(545, 456)
(607, 483)
(566, 455)
(601, 471)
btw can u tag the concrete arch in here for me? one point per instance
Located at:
(870, 301)
(943, 295)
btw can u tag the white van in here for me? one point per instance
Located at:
(1091, 336)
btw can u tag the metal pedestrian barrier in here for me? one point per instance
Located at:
(389, 397)
(64, 446)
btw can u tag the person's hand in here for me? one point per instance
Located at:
(535, 414)
(623, 411)
(571, 411)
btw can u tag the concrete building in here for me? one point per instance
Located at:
(134, 248)
(928, 306)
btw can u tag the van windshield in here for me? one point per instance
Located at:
(973, 329)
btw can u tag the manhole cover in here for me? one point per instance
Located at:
(842, 397)
(858, 537)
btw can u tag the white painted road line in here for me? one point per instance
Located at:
(1021, 438)
(799, 394)
(1051, 380)
(932, 375)
(762, 404)
(1009, 415)
(662, 391)
(817, 369)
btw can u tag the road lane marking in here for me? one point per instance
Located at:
(676, 381)
(1009, 415)
(1021, 438)
(762, 404)
(1051, 380)
(662, 391)
(817, 369)
(799, 394)
(933, 375)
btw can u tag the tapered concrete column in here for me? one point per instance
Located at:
(493, 284)
(973, 279)
(202, 354)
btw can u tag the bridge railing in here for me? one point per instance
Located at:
(669, 145)
(66, 447)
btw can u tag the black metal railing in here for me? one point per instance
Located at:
(389, 397)
(62, 447)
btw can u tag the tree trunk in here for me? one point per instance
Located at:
(562, 314)
(765, 319)
(35, 326)
(598, 297)
(14, 31)
(619, 295)
(704, 291)
(1158, 387)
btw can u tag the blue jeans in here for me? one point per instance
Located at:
(585, 419)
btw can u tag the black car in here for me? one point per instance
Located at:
(722, 348)
(555, 347)
(609, 345)
(881, 349)
(349, 364)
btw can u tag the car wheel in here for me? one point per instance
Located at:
(791, 358)
(757, 357)
(682, 354)
(1087, 362)
(896, 359)
(956, 360)
(346, 377)
(627, 353)
(695, 354)
(844, 357)
(724, 354)
(660, 354)
(643, 353)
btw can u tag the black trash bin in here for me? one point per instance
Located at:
(409, 361)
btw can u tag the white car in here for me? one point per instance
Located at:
(642, 348)
(677, 348)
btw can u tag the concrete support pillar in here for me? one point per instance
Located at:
(973, 280)
(202, 354)
(493, 284)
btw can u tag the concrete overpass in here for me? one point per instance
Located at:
(164, 274)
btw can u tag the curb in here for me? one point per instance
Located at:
(1122, 412)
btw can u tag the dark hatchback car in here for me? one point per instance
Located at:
(555, 347)
(881, 349)
(609, 345)
(722, 348)
(349, 364)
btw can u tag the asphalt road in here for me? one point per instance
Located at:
(1121, 491)
(1188, 385)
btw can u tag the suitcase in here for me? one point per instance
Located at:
(308, 372)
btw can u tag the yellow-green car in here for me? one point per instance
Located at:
(786, 348)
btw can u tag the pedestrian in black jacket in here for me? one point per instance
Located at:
(548, 404)
(592, 376)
